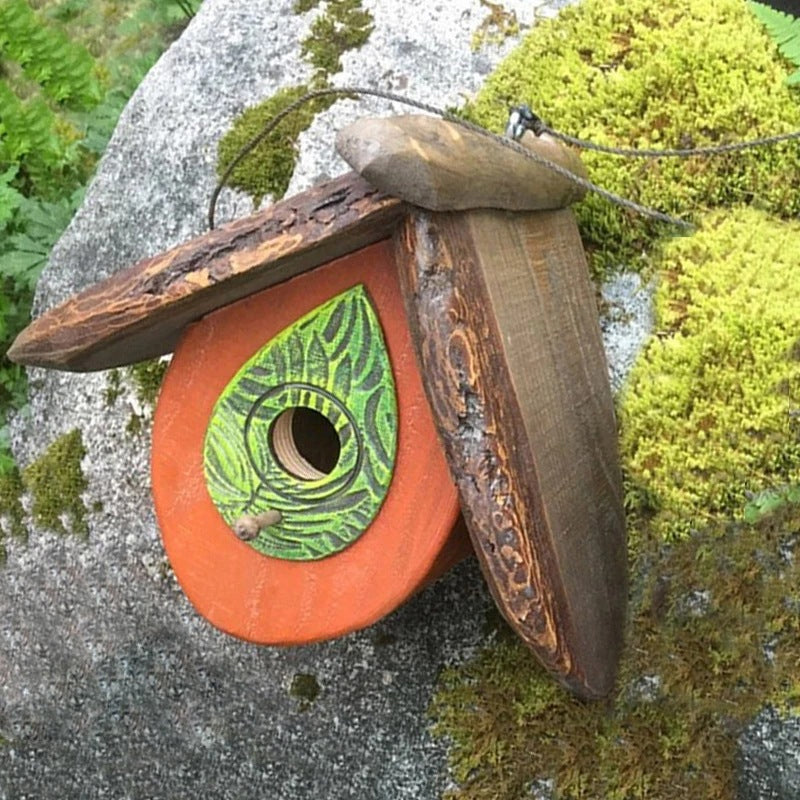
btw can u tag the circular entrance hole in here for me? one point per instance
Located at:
(305, 443)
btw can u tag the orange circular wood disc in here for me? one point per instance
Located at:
(244, 587)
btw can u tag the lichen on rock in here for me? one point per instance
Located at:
(498, 24)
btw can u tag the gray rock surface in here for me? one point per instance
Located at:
(626, 323)
(769, 758)
(110, 684)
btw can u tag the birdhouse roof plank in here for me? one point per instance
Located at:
(140, 312)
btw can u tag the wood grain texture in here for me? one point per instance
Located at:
(140, 312)
(505, 324)
(413, 538)
(439, 165)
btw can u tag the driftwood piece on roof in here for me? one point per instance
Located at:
(140, 312)
(439, 165)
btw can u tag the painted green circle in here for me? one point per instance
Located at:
(333, 361)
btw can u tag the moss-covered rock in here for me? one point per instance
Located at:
(56, 483)
(679, 73)
(715, 633)
(147, 378)
(305, 688)
(268, 168)
(710, 431)
(113, 388)
(710, 411)
(343, 25)
(11, 510)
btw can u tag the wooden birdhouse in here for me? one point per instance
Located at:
(359, 363)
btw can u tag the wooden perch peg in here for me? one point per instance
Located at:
(442, 166)
(247, 527)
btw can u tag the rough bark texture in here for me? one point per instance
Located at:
(505, 323)
(140, 312)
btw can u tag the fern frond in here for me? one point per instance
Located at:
(784, 30)
(64, 70)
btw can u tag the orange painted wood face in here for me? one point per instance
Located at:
(412, 539)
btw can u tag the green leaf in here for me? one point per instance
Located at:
(334, 362)
(10, 198)
(22, 266)
(784, 30)
(63, 69)
(770, 500)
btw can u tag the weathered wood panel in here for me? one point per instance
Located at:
(504, 319)
(442, 166)
(140, 312)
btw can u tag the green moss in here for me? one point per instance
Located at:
(147, 377)
(675, 74)
(113, 387)
(344, 26)
(301, 6)
(305, 688)
(267, 170)
(689, 682)
(11, 508)
(710, 411)
(56, 482)
(497, 25)
(135, 425)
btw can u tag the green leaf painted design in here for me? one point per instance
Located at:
(332, 360)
